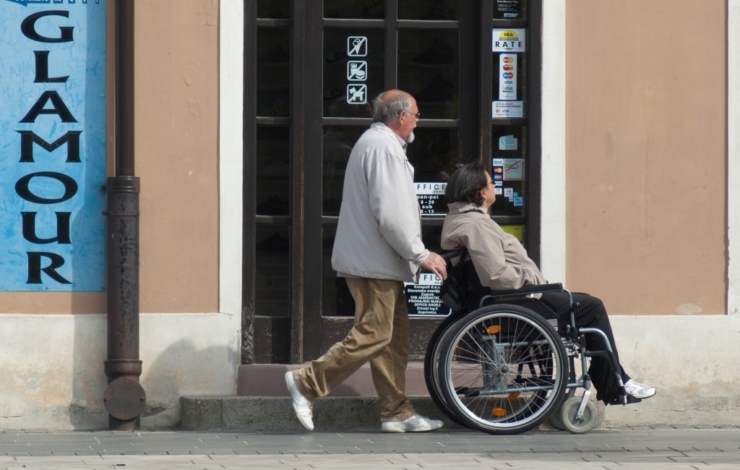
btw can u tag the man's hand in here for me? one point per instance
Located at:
(436, 264)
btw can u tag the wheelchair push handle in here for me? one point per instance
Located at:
(450, 254)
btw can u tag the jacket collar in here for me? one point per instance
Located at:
(380, 127)
(461, 207)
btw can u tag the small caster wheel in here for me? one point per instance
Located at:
(568, 416)
(555, 419)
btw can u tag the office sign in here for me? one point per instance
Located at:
(52, 136)
(423, 298)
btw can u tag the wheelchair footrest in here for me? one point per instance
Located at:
(625, 400)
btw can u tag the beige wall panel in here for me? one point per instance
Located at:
(177, 153)
(646, 154)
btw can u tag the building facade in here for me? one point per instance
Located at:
(614, 127)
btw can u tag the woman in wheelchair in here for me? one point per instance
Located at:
(500, 262)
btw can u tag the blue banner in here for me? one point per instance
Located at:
(52, 145)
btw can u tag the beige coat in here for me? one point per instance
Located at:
(499, 258)
(379, 231)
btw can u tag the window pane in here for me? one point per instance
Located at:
(510, 9)
(433, 154)
(509, 169)
(273, 72)
(272, 279)
(428, 69)
(273, 170)
(338, 143)
(354, 67)
(273, 8)
(509, 84)
(336, 299)
(366, 9)
(429, 9)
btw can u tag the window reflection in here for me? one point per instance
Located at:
(273, 170)
(272, 279)
(336, 299)
(273, 8)
(428, 69)
(273, 72)
(365, 9)
(337, 145)
(428, 9)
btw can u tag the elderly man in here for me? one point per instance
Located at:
(378, 246)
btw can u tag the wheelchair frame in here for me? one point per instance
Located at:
(569, 412)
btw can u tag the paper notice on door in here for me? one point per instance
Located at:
(507, 77)
(508, 142)
(508, 109)
(513, 169)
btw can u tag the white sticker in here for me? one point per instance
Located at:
(356, 94)
(357, 46)
(509, 192)
(498, 183)
(357, 70)
(508, 142)
(509, 40)
(430, 188)
(513, 169)
(498, 162)
(498, 190)
(508, 109)
(507, 77)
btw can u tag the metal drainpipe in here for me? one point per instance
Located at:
(124, 398)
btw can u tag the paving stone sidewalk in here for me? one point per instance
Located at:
(649, 448)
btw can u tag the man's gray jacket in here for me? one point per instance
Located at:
(379, 232)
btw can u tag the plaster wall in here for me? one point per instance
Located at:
(646, 154)
(58, 382)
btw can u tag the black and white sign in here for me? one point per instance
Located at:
(356, 94)
(423, 298)
(431, 198)
(357, 46)
(357, 70)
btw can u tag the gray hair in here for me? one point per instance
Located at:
(388, 109)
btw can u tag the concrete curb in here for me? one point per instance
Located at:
(276, 413)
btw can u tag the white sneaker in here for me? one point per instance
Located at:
(301, 405)
(638, 390)
(416, 423)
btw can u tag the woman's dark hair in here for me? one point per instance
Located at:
(466, 183)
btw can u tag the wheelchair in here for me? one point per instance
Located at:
(504, 369)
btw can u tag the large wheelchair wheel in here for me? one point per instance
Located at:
(431, 367)
(502, 369)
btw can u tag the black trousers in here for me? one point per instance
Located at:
(590, 313)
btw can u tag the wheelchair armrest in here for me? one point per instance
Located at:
(538, 289)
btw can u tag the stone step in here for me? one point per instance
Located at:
(242, 413)
(268, 380)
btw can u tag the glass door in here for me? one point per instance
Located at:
(318, 64)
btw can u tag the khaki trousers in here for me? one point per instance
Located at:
(380, 335)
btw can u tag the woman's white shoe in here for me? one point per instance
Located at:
(638, 390)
